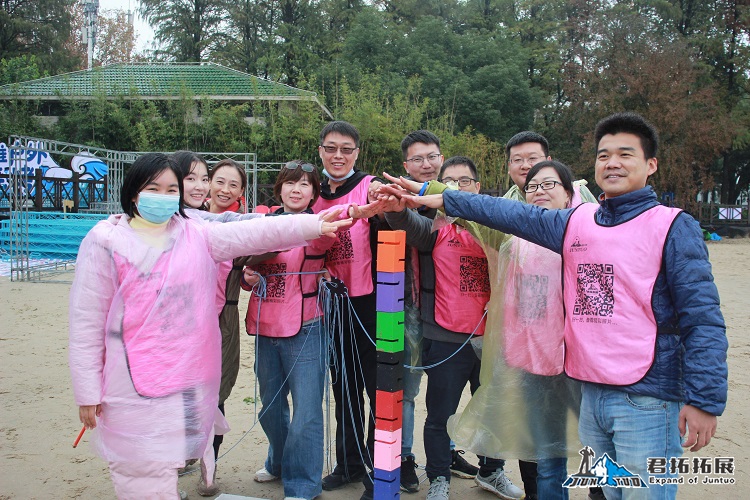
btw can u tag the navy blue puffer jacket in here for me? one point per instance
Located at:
(689, 365)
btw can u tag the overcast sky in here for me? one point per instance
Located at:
(143, 31)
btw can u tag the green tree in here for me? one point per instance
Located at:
(187, 31)
(37, 28)
(637, 66)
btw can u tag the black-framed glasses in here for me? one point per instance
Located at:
(333, 149)
(461, 181)
(546, 186)
(294, 165)
(418, 160)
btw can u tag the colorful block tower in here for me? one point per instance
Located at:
(390, 348)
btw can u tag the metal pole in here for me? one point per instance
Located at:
(90, 10)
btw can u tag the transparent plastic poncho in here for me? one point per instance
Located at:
(144, 335)
(526, 407)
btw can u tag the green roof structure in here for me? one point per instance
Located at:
(158, 81)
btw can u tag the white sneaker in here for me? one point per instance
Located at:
(263, 476)
(499, 484)
(440, 489)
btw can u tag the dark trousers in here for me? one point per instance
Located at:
(353, 371)
(445, 383)
(218, 439)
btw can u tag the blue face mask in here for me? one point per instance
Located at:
(338, 179)
(157, 208)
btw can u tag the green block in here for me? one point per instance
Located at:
(390, 326)
(390, 332)
(383, 345)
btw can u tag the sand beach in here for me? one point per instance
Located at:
(39, 420)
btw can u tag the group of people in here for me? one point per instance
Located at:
(557, 308)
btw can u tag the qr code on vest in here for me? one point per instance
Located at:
(531, 296)
(474, 277)
(594, 290)
(275, 285)
(342, 249)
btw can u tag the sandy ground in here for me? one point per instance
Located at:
(39, 421)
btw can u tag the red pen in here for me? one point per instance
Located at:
(80, 435)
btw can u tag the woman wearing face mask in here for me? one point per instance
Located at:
(292, 353)
(144, 342)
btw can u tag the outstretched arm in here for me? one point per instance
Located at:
(535, 224)
(269, 234)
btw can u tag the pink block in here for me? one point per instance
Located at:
(387, 455)
(388, 437)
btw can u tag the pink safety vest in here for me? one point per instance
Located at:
(154, 320)
(291, 300)
(350, 258)
(533, 319)
(608, 276)
(533, 316)
(462, 281)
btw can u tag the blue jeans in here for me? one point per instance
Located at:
(551, 474)
(552, 397)
(412, 378)
(298, 365)
(630, 428)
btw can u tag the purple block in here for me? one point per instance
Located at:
(389, 296)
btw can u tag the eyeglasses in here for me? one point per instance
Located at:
(418, 160)
(546, 186)
(531, 160)
(463, 181)
(333, 149)
(306, 167)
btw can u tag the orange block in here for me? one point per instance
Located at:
(391, 251)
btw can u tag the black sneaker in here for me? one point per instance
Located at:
(409, 479)
(338, 478)
(462, 468)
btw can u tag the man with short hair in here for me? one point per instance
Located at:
(524, 150)
(454, 292)
(351, 259)
(422, 160)
(643, 327)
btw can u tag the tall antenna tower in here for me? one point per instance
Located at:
(91, 11)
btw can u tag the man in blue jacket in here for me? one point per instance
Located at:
(644, 330)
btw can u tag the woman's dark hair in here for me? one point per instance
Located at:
(563, 171)
(185, 159)
(295, 174)
(145, 169)
(228, 162)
